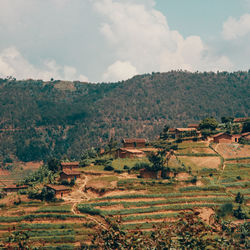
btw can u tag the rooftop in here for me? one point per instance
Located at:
(58, 187)
(133, 151)
(71, 172)
(186, 129)
(132, 140)
(73, 163)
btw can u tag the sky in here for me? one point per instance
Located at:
(113, 40)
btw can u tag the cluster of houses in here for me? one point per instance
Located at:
(134, 148)
(68, 173)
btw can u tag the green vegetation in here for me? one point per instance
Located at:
(40, 119)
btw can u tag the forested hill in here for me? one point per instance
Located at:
(63, 118)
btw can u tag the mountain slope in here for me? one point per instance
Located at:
(40, 118)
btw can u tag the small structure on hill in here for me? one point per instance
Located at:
(134, 143)
(69, 165)
(150, 174)
(129, 153)
(241, 119)
(59, 190)
(14, 188)
(69, 175)
(193, 125)
(226, 138)
(186, 133)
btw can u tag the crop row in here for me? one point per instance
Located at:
(206, 188)
(46, 226)
(163, 202)
(54, 209)
(237, 184)
(196, 154)
(31, 217)
(91, 210)
(168, 195)
(151, 216)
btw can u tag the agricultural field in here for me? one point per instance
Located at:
(204, 182)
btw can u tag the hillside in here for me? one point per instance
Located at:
(64, 118)
(198, 186)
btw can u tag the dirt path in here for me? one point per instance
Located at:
(77, 196)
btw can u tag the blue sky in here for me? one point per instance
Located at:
(111, 40)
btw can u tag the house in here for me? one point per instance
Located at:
(69, 165)
(129, 153)
(68, 175)
(246, 136)
(193, 125)
(226, 138)
(14, 188)
(134, 143)
(241, 119)
(187, 132)
(150, 174)
(59, 190)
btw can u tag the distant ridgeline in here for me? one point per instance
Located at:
(38, 119)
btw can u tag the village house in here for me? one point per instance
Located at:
(59, 190)
(14, 188)
(241, 119)
(194, 125)
(226, 138)
(69, 165)
(69, 175)
(186, 133)
(150, 174)
(129, 153)
(134, 143)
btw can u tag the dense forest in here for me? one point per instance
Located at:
(59, 118)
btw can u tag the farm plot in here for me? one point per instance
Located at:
(152, 208)
(199, 163)
(231, 151)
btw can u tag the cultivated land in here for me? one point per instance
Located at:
(140, 203)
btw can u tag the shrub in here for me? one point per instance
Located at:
(108, 168)
(239, 198)
(225, 209)
(141, 165)
(239, 214)
(125, 167)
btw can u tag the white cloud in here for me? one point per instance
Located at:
(234, 29)
(12, 63)
(140, 35)
(119, 71)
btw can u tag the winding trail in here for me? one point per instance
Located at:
(77, 196)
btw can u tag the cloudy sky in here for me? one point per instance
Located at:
(111, 40)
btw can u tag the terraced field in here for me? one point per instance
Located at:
(202, 185)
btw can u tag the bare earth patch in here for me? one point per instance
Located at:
(232, 150)
(205, 213)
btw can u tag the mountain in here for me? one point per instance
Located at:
(64, 118)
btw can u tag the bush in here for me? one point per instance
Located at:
(108, 168)
(239, 214)
(225, 209)
(141, 165)
(125, 167)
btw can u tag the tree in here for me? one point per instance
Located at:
(246, 126)
(157, 161)
(54, 165)
(239, 198)
(188, 232)
(164, 133)
(208, 123)
(226, 119)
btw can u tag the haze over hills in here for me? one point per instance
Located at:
(64, 118)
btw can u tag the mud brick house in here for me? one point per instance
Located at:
(134, 143)
(241, 120)
(68, 175)
(226, 138)
(69, 165)
(194, 125)
(59, 190)
(14, 188)
(129, 153)
(149, 174)
(186, 132)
